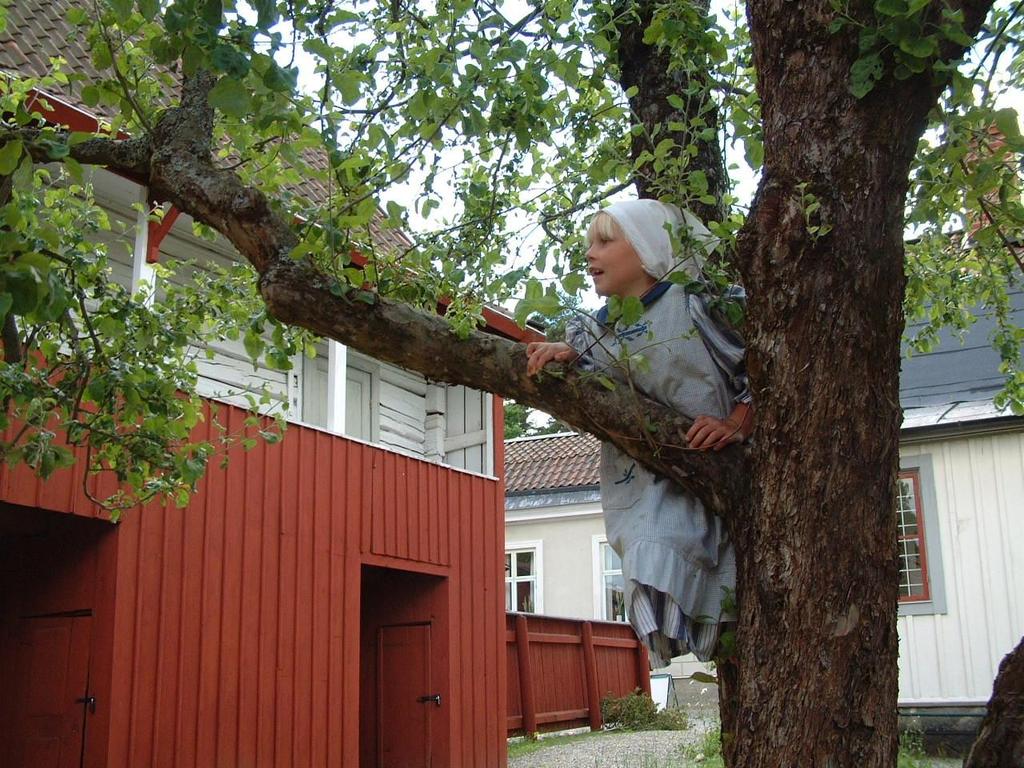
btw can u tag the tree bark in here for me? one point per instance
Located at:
(1000, 741)
(646, 68)
(817, 581)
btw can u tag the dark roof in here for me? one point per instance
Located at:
(958, 376)
(563, 461)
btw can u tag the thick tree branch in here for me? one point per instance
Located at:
(396, 333)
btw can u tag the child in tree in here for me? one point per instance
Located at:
(677, 562)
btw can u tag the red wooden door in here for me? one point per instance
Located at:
(51, 677)
(405, 700)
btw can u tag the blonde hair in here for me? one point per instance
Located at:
(603, 227)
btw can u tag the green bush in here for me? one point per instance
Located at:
(638, 712)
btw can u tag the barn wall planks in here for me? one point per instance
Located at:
(236, 619)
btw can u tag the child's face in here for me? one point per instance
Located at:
(614, 265)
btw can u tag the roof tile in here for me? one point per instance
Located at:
(550, 462)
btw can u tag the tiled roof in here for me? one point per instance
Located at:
(37, 31)
(563, 461)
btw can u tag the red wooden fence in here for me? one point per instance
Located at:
(560, 669)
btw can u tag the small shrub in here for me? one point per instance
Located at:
(912, 754)
(638, 712)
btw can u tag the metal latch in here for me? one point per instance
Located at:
(436, 698)
(89, 701)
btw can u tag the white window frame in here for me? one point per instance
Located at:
(537, 547)
(929, 514)
(596, 542)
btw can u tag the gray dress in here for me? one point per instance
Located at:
(677, 563)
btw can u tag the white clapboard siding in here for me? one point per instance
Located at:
(979, 484)
(403, 409)
(120, 239)
(229, 375)
(466, 435)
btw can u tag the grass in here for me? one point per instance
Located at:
(525, 746)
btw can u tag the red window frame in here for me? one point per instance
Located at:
(913, 476)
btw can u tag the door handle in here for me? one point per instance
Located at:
(436, 698)
(89, 701)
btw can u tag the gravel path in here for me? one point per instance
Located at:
(644, 749)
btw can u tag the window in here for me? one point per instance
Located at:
(921, 589)
(910, 535)
(613, 597)
(522, 585)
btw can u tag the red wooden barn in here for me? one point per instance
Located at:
(332, 600)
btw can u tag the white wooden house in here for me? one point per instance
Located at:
(340, 390)
(960, 515)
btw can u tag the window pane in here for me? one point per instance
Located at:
(913, 577)
(614, 599)
(906, 509)
(508, 564)
(612, 562)
(524, 563)
(524, 596)
(508, 595)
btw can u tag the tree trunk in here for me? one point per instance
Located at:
(817, 583)
(1000, 742)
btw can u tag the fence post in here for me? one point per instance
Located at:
(590, 667)
(643, 668)
(529, 704)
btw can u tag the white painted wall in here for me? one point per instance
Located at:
(979, 493)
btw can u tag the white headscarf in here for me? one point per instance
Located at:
(643, 223)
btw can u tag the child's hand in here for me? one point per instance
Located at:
(540, 353)
(708, 432)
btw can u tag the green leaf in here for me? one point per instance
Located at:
(266, 13)
(349, 85)
(676, 102)
(573, 283)
(1008, 123)
(229, 60)
(865, 72)
(10, 156)
(891, 7)
(279, 79)
(231, 97)
(6, 300)
(121, 8)
(698, 182)
(704, 677)
(76, 16)
(254, 345)
(212, 12)
(919, 47)
(149, 8)
(90, 95)
(101, 57)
